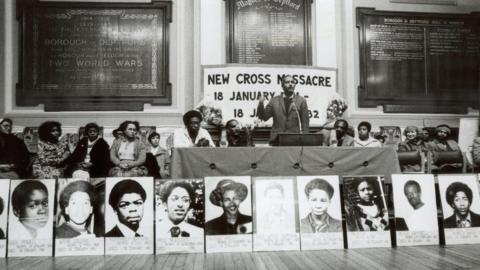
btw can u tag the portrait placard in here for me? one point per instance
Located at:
(129, 215)
(275, 217)
(4, 189)
(461, 208)
(30, 219)
(366, 212)
(179, 216)
(415, 209)
(320, 212)
(228, 214)
(75, 219)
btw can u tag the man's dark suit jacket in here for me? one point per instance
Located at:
(114, 232)
(451, 221)
(285, 119)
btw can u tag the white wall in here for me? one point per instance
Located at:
(198, 38)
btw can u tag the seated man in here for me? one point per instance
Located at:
(364, 139)
(192, 134)
(337, 137)
(236, 135)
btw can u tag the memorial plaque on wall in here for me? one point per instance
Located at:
(428, 60)
(91, 56)
(269, 32)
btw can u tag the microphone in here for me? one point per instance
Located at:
(298, 116)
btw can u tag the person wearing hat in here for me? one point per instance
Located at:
(229, 195)
(192, 134)
(441, 142)
(14, 155)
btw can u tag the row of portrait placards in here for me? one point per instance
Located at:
(141, 215)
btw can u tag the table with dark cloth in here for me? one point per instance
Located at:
(283, 161)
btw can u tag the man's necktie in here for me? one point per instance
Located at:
(175, 231)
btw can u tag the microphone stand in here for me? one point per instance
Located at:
(301, 134)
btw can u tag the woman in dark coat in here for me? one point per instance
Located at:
(92, 155)
(14, 155)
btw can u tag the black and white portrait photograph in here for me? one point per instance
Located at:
(30, 218)
(74, 232)
(415, 209)
(366, 212)
(228, 214)
(4, 189)
(320, 212)
(129, 215)
(276, 226)
(179, 215)
(461, 208)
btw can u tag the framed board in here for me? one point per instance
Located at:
(93, 56)
(419, 62)
(269, 32)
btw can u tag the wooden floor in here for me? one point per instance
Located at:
(452, 257)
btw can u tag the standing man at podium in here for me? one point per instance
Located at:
(289, 111)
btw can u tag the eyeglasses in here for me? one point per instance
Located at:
(124, 204)
(175, 198)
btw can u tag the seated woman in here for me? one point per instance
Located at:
(52, 152)
(76, 202)
(14, 157)
(413, 143)
(128, 153)
(413, 140)
(366, 212)
(91, 157)
(158, 160)
(364, 139)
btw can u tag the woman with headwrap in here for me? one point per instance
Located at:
(442, 141)
(451, 162)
